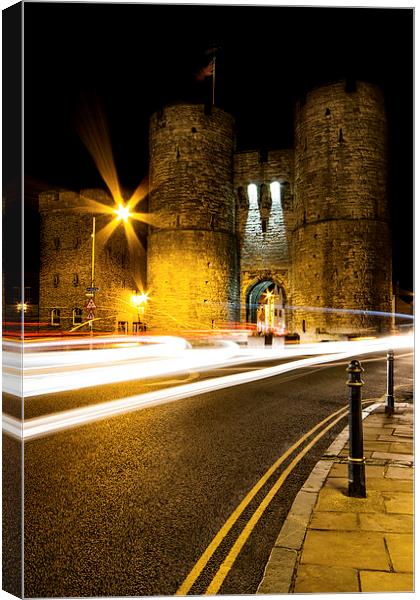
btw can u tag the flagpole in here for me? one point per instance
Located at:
(214, 77)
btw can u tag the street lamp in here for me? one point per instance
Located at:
(140, 301)
(122, 212)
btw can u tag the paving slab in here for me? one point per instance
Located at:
(402, 447)
(336, 521)
(386, 522)
(312, 579)
(373, 445)
(393, 456)
(354, 549)
(399, 472)
(399, 502)
(335, 500)
(400, 548)
(381, 581)
(388, 484)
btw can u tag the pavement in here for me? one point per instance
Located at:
(331, 542)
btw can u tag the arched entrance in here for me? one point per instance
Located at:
(265, 308)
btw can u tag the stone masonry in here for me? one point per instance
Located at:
(312, 220)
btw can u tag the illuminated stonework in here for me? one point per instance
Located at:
(300, 230)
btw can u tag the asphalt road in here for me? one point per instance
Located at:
(126, 506)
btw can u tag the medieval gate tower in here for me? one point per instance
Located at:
(341, 246)
(326, 245)
(302, 231)
(191, 264)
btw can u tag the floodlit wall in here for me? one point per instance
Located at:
(341, 250)
(192, 263)
(66, 262)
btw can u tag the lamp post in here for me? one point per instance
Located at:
(122, 214)
(140, 301)
(90, 291)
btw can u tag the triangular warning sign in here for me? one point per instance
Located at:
(90, 305)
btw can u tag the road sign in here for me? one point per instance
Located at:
(91, 315)
(92, 289)
(90, 305)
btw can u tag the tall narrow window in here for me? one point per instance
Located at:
(55, 317)
(77, 316)
(75, 279)
(275, 191)
(253, 194)
(56, 279)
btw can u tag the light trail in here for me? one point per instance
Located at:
(52, 372)
(48, 424)
(145, 358)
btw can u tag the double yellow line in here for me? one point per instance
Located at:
(230, 559)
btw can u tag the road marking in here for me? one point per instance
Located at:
(215, 543)
(229, 561)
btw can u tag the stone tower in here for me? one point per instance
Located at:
(341, 246)
(66, 265)
(192, 270)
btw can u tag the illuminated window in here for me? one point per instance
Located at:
(55, 317)
(253, 193)
(275, 191)
(77, 316)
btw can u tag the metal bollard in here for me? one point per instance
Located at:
(389, 408)
(356, 460)
(268, 339)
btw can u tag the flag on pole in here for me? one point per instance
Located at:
(206, 71)
(210, 69)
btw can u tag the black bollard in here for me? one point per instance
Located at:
(268, 339)
(356, 469)
(389, 408)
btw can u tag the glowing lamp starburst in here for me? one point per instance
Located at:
(122, 212)
(139, 299)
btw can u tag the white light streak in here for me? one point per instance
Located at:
(40, 426)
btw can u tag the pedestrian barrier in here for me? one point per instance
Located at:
(356, 460)
(389, 408)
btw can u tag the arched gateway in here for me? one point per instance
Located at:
(265, 307)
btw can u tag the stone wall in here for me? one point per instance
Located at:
(263, 224)
(341, 250)
(66, 262)
(324, 240)
(192, 264)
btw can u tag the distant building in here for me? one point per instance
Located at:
(293, 240)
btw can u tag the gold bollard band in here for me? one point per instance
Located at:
(356, 460)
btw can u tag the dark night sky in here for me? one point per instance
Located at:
(136, 58)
